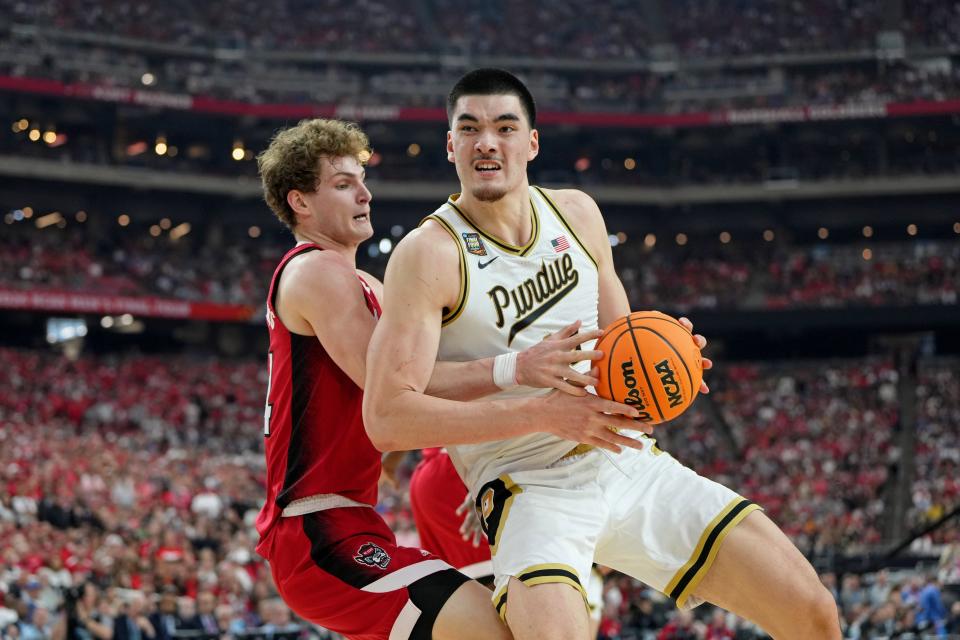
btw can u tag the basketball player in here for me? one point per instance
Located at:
(495, 268)
(333, 559)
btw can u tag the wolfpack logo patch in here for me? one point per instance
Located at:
(474, 244)
(372, 556)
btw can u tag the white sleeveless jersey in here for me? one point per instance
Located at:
(510, 299)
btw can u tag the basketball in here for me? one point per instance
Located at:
(651, 363)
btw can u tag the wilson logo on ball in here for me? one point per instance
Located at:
(633, 394)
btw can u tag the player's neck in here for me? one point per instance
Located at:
(507, 218)
(348, 251)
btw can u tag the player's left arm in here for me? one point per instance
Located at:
(585, 217)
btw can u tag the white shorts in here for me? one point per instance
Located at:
(639, 512)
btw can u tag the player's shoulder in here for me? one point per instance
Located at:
(313, 270)
(577, 207)
(428, 243)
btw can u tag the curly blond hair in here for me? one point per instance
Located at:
(292, 161)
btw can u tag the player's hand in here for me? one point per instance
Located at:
(547, 364)
(470, 529)
(591, 420)
(701, 343)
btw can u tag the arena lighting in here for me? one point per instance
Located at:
(868, 231)
(155, 230)
(396, 231)
(21, 125)
(17, 215)
(629, 164)
(126, 320)
(582, 164)
(413, 150)
(106, 322)
(956, 227)
(386, 245)
(59, 140)
(649, 240)
(681, 239)
(123, 220)
(769, 235)
(372, 250)
(9, 219)
(725, 237)
(622, 237)
(867, 254)
(364, 156)
(613, 240)
(160, 147)
(912, 229)
(34, 135)
(237, 154)
(165, 223)
(254, 231)
(375, 159)
(81, 216)
(180, 230)
(28, 212)
(148, 79)
(52, 218)
(823, 233)
(49, 136)
(172, 151)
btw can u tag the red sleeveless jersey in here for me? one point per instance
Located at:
(315, 441)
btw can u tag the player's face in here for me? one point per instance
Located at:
(491, 143)
(340, 203)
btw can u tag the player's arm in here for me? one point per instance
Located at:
(544, 365)
(397, 412)
(319, 295)
(585, 217)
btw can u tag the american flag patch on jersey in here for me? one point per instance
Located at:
(560, 244)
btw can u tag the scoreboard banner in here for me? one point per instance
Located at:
(392, 113)
(99, 304)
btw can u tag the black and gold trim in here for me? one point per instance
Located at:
(493, 506)
(449, 315)
(566, 225)
(685, 581)
(505, 246)
(553, 573)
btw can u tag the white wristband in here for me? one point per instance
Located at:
(505, 370)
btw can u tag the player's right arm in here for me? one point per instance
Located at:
(422, 279)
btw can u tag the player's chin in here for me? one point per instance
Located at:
(488, 193)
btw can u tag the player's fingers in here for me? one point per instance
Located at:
(581, 338)
(580, 379)
(700, 341)
(600, 443)
(569, 330)
(621, 440)
(704, 388)
(686, 323)
(578, 356)
(707, 363)
(562, 385)
(609, 406)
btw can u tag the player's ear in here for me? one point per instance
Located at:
(450, 157)
(297, 203)
(534, 145)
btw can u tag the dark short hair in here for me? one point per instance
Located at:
(492, 82)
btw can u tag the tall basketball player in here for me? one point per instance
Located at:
(333, 559)
(495, 268)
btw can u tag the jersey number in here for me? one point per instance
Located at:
(268, 408)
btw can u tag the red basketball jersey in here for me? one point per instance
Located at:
(315, 441)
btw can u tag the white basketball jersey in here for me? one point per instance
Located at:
(510, 299)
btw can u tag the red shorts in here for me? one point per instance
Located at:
(435, 493)
(342, 569)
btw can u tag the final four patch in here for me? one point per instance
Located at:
(474, 244)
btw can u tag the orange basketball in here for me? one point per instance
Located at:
(649, 362)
